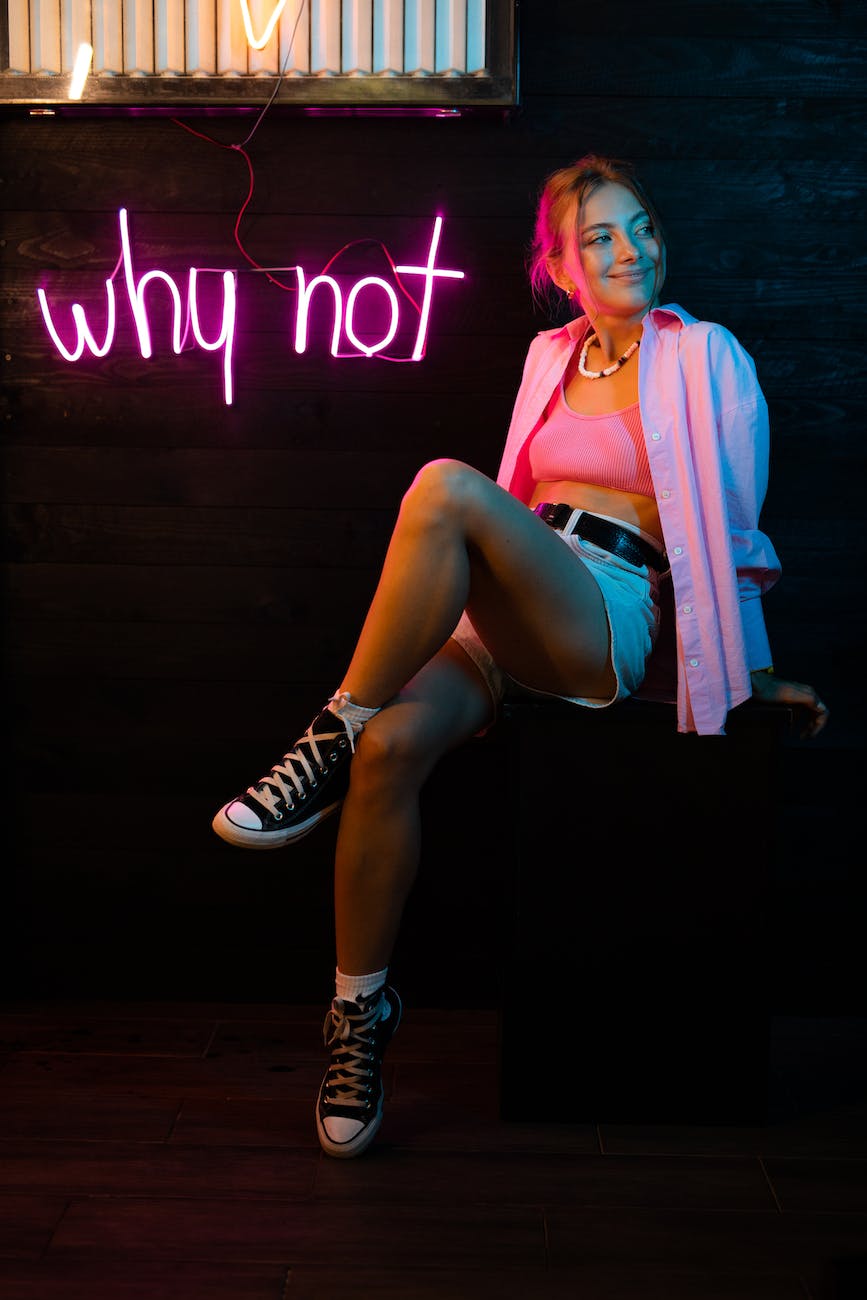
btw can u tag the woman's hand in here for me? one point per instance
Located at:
(808, 708)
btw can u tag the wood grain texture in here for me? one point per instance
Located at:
(684, 64)
(232, 1200)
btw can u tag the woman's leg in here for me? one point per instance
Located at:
(376, 862)
(378, 841)
(462, 541)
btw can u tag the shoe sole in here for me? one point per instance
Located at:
(245, 839)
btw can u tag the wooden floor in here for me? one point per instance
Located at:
(167, 1152)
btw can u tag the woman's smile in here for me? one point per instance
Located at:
(632, 276)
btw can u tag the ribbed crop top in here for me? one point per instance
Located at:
(607, 450)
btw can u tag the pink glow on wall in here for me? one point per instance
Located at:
(366, 293)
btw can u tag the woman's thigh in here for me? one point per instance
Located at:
(533, 601)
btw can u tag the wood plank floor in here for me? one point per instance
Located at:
(167, 1152)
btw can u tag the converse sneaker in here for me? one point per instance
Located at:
(304, 788)
(349, 1107)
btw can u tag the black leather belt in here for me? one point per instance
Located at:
(602, 532)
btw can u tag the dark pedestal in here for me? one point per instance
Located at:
(634, 982)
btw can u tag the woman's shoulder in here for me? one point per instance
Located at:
(560, 331)
(549, 341)
(694, 330)
(697, 338)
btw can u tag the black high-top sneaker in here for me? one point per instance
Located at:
(349, 1107)
(306, 786)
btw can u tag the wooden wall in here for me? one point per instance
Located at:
(183, 580)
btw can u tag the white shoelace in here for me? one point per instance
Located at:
(273, 789)
(349, 1078)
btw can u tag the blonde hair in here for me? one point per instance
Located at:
(561, 200)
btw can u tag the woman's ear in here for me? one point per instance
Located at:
(555, 270)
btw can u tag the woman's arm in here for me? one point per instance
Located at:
(744, 441)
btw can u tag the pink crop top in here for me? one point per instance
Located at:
(607, 450)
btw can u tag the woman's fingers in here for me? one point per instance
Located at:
(814, 713)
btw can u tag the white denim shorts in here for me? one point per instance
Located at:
(631, 596)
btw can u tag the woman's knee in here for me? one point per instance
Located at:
(443, 487)
(392, 748)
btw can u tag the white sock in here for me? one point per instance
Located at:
(353, 987)
(355, 714)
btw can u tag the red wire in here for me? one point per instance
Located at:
(237, 148)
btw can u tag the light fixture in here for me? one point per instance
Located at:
(80, 70)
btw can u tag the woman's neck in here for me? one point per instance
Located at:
(612, 337)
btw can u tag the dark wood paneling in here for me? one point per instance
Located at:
(684, 65)
(497, 185)
(162, 535)
(267, 596)
(737, 18)
(266, 478)
(268, 362)
(321, 418)
(89, 414)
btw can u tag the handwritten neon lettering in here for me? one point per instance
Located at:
(429, 272)
(83, 336)
(349, 319)
(135, 292)
(226, 338)
(344, 320)
(305, 292)
(259, 42)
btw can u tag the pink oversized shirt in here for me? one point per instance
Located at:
(706, 430)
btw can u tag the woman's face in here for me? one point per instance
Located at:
(611, 255)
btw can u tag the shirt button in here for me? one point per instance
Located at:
(678, 550)
(687, 609)
(666, 493)
(693, 663)
(656, 436)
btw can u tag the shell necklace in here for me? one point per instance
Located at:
(609, 370)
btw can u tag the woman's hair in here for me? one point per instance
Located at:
(561, 199)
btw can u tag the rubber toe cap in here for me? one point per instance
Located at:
(340, 1130)
(240, 815)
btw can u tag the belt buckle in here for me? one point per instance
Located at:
(555, 514)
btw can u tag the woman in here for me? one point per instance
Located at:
(637, 455)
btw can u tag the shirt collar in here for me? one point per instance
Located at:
(579, 327)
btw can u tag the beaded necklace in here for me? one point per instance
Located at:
(609, 370)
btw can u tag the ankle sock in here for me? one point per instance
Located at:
(355, 714)
(353, 987)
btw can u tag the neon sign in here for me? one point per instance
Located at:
(259, 42)
(186, 310)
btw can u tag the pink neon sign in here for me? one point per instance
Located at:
(186, 310)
